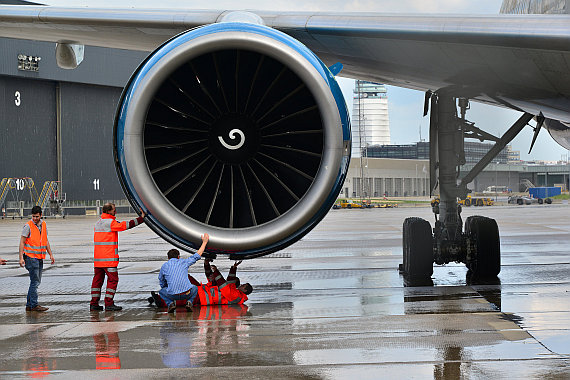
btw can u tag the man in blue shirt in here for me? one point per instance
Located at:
(173, 278)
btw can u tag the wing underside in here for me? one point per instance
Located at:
(518, 61)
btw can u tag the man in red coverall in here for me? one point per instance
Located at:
(106, 252)
(218, 290)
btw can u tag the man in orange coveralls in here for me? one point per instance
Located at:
(106, 255)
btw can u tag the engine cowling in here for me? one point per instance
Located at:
(559, 131)
(233, 129)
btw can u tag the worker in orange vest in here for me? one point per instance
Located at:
(106, 252)
(33, 247)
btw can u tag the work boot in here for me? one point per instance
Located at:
(172, 307)
(156, 298)
(189, 306)
(95, 307)
(37, 308)
(113, 308)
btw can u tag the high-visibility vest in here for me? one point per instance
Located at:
(209, 295)
(36, 244)
(106, 241)
(231, 294)
(226, 294)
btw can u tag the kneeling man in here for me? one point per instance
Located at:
(173, 278)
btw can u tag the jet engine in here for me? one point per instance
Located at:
(233, 129)
(559, 131)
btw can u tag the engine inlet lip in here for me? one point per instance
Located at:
(146, 83)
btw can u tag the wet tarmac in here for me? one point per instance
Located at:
(332, 306)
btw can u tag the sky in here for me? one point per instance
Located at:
(405, 106)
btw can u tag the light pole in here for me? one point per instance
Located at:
(509, 180)
(425, 192)
(415, 183)
(496, 171)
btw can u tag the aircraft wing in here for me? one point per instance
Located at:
(241, 130)
(519, 61)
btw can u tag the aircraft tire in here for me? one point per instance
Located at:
(484, 233)
(418, 248)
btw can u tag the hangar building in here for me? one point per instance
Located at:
(57, 124)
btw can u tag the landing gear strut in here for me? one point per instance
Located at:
(477, 245)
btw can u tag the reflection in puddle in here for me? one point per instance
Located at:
(218, 326)
(489, 288)
(453, 360)
(106, 345)
(480, 296)
(38, 362)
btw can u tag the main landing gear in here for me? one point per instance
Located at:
(477, 245)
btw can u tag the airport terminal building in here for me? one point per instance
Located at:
(57, 125)
(397, 177)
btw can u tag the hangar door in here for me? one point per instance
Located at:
(28, 130)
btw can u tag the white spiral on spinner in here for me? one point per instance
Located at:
(232, 137)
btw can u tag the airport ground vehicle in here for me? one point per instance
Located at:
(347, 203)
(476, 201)
(469, 201)
(526, 200)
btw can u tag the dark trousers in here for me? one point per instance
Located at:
(112, 281)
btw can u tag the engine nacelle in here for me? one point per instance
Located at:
(559, 131)
(233, 129)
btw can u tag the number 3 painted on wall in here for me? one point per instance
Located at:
(17, 101)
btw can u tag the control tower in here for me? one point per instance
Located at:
(370, 122)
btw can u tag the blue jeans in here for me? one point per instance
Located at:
(34, 267)
(169, 298)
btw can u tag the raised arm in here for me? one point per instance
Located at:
(122, 226)
(207, 268)
(233, 271)
(213, 274)
(205, 239)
